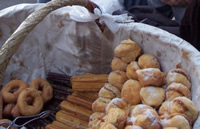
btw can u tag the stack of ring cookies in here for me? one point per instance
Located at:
(21, 99)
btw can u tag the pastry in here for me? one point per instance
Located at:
(109, 91)
(88, 77)
(133, 127)
(7, 110)
(116, 103)
(87, 86)
(70, 120)
(184, 106)
(177, 121)
(152, 96)
(97, 116)
(131, 92)
(164, 109)
(118, 64)
(177, 90)
(117, 78)
(90, 96)
(151, 77)
(127, 50)
(148, 119)
(178, 76)
(148, 61)
(108, 126)
(100, 104)
(117, 117)
(80, 112)
(131, 70)
(138, 109)
(79, 101)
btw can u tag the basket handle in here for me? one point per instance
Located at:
(10, 47)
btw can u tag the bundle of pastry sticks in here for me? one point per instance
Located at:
(77, 108)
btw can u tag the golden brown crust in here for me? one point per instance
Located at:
(117, 78)
(36, 106)
(80, 101)
(118, 64)
(152, 96)
(100, 104)
(131, 70)
(7, 110)
(148, 61)
(138, 109)
(6, 125)
(185, 106)
(178, 76)
(127, 50)
(15, 111)
(7, 92)
(151, 77)
(109, 91)
(177, 121)
(177, 90)
(164, 108)
(79, 112)
(46, 88)
(131, 92)
(70, 120)
(116, 103)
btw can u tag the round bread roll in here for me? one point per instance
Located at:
(149, 119)
(148, 61)
(151, 77)
(97, 116)
(108, 126)
(117, 78)
(127, 50)
(131, 70)
(164, 109)
(185, 106)
(131, 92)
(117, 117)
(177, 121)
(152, 96)
(177, 90)
(138, 109)
(99, 105)
(133, 127)
(116, 103)
(118, 64)
(109, 91)
(178, 76)
(95, 120)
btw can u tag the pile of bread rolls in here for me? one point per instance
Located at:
(139, 95)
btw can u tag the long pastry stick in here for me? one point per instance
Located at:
(90, 96)
(80, 101)
(67, 119)
(88, 77)
(79, 111)
(87, 86)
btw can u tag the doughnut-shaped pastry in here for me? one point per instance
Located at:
(11, 91)
(15, 111)
(27, 108)
(7, 110)
(46, 88)
(6, 125)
